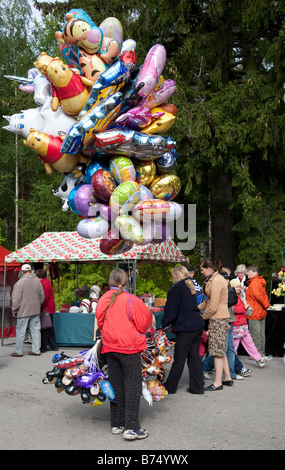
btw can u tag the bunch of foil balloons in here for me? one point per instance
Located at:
(102, 121)
(84, 375)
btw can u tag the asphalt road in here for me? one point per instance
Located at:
(248, 416)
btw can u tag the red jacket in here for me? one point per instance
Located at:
(125, 323)
(257, 298)
(49, 303)
(239, 312)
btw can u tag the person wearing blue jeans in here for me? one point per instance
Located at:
(208, 362)
(230, 351)
(239, 369)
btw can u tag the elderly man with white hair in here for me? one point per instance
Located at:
(27, 298)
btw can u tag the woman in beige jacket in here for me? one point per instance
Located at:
(216, 311)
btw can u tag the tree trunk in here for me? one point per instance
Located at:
(222, 241)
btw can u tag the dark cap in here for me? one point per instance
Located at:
(190, 267)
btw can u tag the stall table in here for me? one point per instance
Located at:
(77, 329)
(74, 329)
(275, 332)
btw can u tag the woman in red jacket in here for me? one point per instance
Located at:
(123, 319)
(48, 340)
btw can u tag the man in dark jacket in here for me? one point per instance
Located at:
(27, 298)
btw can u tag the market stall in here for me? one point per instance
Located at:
(70, 247)
(9, 277)
(275, 319)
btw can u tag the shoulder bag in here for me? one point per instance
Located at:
(45, 318)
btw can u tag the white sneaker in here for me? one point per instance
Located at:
(245, 372)
(267, 358)
(238, 377)
(132, 434)
(261, 363)
(206, 375)
(118, 430)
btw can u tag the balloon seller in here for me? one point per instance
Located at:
(101, 121)
(123, 318)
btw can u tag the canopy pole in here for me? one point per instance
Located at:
(3, 308)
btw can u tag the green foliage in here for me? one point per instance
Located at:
(151, 278)
(87, 275)
(154, 278)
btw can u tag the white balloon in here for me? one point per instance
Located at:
(174, 213)
(42, 119)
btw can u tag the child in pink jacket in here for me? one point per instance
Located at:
(240, 327)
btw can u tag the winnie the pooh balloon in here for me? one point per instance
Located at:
(69, 89)
(48, 149)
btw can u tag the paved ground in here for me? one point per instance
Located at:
(248, 416)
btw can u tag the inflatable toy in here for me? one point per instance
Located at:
(162, 121)
(145, 172)
(124, 197)
(68, 183)
(165, 187)
(138, 118)
(107, 389)
(159, 96)
(105, 40)
(82, 376)
(103, 120)
(69, 88)
(111, 81)
(87, 380)
(166, 163)
(113, 243)
(151, 209)
(122, 169)
(151, 70)
(130, 228)
(132, 143)
(42, 119)
(35, 83)
(103, 184)
(48, 149)
(93, 227)
(98, 119)
(145, 193)
(82, 201)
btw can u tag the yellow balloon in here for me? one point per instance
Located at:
(165, 187)
(95, 402)
(160, 83)
(161, 124)
(130, 228)
(145, 172)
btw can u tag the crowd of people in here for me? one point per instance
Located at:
(233, 308)
(209, 323)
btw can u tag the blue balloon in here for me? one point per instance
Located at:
(102, 163)
(71, 199)
(107, 389)
(116, 75)
(166, 162)
(105, 111)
